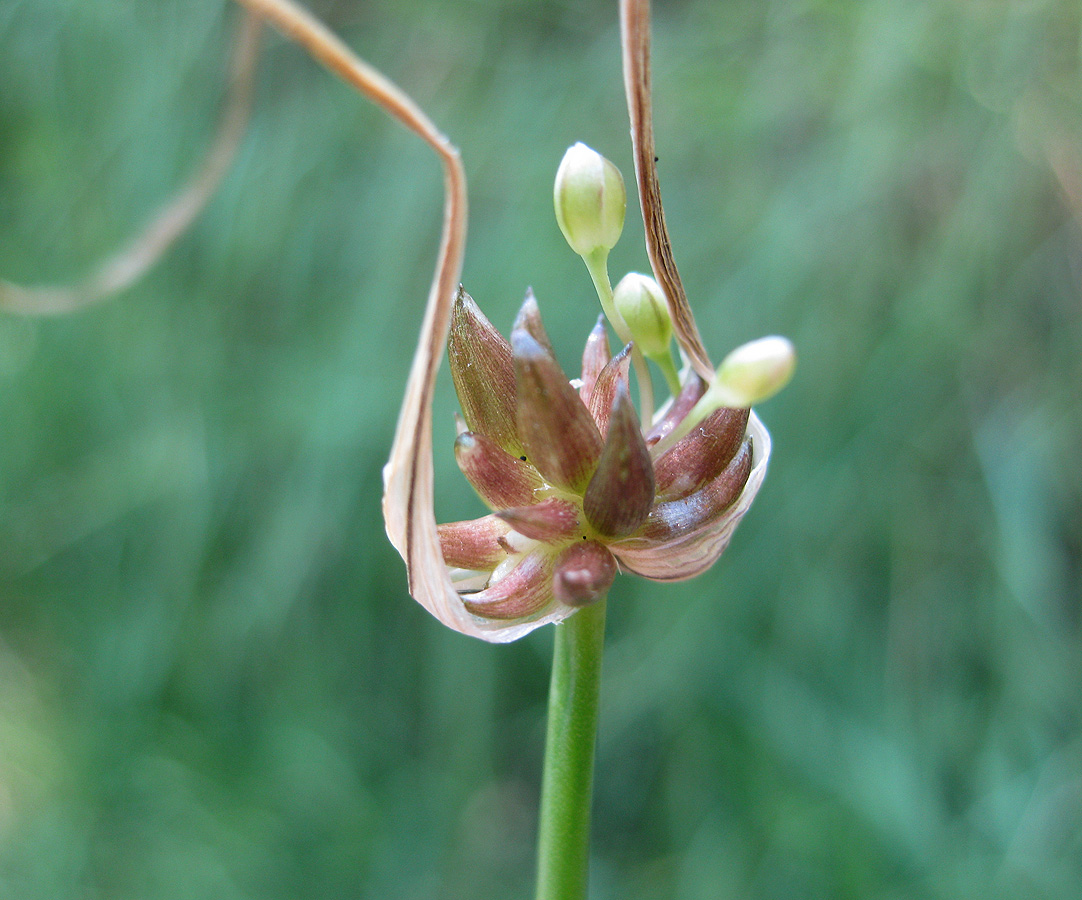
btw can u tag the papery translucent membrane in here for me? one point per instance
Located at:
(687, 554)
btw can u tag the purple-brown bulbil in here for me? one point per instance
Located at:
(571, 478)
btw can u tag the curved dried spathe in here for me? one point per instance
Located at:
(408, 501)
(635, 40)
(408, 498)
(408, 494)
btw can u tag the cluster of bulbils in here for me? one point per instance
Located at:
(578, 486)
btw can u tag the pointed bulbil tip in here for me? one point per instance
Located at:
(483, 373)
(621, 492)
(583, 573)
(529, 320)
(595, 356)
(614, 377)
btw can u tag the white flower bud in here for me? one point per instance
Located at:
(641, 302)
(590, 200)
(755, 371)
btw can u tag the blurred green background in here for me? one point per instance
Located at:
(212, 680)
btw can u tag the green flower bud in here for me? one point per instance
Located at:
(590, 200)
(755, 371)
(640, 301)
(752, 373)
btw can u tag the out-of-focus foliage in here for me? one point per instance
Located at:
(212, 681)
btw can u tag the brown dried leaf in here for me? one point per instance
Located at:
(635, 39)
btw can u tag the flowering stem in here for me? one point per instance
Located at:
(598, 265)
(563, 846)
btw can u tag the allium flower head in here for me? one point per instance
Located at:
(576, 486)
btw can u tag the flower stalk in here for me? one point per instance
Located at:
(597, 263)
(563, 843)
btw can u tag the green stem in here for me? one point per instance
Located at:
(714, 398)
(598, 265)
(668, 369)
(563, 845)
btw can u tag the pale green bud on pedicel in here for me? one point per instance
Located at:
(640, 301)
(755, 371)
(752, 373)
(590, 200)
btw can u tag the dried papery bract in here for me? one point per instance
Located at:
(635, 37)
(408, 496)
